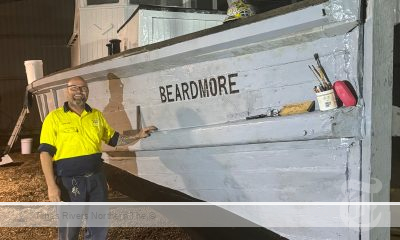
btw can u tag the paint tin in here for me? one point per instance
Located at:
(26, 145)
(326, 100)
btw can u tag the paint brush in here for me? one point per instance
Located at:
(317, 76)
(316, 57)
(324, 76)
(323, 84)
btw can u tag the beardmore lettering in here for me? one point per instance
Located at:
(203, 88)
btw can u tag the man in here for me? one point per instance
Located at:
(70, 153)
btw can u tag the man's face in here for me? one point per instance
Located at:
(77, 92)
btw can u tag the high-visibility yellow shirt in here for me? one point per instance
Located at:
(68, 136)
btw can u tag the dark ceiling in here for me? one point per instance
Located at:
(34, 29)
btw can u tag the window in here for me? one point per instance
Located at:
(221, 5)
(212, 4)
(196, 4)
(263, 6)
(163, 3)
(96, 2)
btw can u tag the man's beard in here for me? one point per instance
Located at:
(79, 102)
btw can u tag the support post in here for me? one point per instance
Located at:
(377, 93)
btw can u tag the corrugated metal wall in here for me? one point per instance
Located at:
(30, 29)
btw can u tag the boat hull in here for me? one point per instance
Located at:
(199, 89)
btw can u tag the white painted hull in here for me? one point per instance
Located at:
(205, 147)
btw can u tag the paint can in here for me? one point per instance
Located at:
(326, 100)
(26, 145)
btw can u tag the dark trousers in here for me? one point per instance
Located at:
(88, 188)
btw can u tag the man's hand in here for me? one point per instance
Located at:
(54, 193)
(145, 132)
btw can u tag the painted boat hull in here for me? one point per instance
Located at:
(199, 89)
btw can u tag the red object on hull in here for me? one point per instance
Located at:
(344, 93)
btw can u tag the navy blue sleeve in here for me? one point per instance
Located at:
(114, 140)
(44, 147)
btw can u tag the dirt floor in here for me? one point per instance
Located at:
(23, 181)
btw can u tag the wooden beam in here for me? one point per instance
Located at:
(377, 94)
(396, 121)
(9, 1)
(340, 123)
(33, 36)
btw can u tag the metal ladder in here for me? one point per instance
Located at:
(17, 129)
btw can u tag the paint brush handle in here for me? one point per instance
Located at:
(324, 80)
(319, 77)
(322, 72)
(316, 76)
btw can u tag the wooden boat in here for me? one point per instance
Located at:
(198, 89)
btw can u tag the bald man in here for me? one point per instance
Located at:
(70, 153)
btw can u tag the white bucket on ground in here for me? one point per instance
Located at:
(26, 145)
(34, 70)
(326, 100)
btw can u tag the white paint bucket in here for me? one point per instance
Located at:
(26, 145)
(33, 69)
(326, 100)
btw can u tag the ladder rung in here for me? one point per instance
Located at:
(17, 129)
